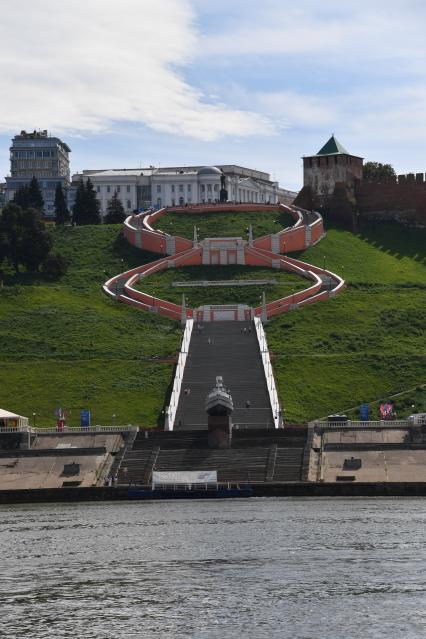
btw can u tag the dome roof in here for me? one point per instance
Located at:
(209, 170)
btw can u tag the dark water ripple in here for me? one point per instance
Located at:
(299, 569)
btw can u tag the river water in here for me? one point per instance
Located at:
(261, 568)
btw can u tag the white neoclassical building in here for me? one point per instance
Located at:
(173, 186)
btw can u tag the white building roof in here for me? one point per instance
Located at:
(121, 173)
(5, 414)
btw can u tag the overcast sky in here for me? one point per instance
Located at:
(256, 83)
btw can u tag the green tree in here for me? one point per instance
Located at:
(62, 215)
(377, 172)
(79, 204)
(29, 196)
(86, 207)
(36, 242)
(22, 197)
(92, 204)
(115, 211)
(24, 237)
(11, 232)
(36, 198)
(55, 266)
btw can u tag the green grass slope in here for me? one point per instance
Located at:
(369, 342)
(224, 224)
(66, 344)
(161, 285)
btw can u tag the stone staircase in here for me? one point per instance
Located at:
(255, 455)
(223, 348)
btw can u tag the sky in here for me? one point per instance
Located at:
(180, 82)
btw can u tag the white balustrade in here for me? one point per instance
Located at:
(269, 375)
(177, 383)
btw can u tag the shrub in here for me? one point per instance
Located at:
(55, 266)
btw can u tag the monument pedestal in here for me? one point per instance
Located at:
(220, 431)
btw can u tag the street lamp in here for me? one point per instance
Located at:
(324, 262)
(34, 419)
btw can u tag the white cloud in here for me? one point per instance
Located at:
(82, 66)
(295, 109)
(333, 33)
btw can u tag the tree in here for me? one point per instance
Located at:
(11, 231)
(79, 204)
(377, 172)
(61, 210)
(22, 197)
(115, 211)
(29, 196)
(86, 207)
(36, 242)
(36, 198)
(55, 266)
(24, 237)
(92, 204)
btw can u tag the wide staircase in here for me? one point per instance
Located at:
(255, 455)
(229, 349)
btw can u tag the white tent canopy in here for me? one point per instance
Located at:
(12, 420)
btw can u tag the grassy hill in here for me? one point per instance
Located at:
(161, 285)
(66, 344)
(224, 223)
(369, 342)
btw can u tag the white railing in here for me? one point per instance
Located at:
(70, 429)
(384, 423)
(269, 374)
(177, 383)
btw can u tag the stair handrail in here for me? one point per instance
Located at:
(177, 383)
(269, 374)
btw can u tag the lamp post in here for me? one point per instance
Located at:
(324, 262)
(34, 419)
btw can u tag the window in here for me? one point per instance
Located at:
(108, 188)
(180, 188)
(189, 188)
(203, 188)
(173, 188)
(173, 201)
(209, 187)
(98, 189)
(158, 201)
(128, 188)
(129, 204)
(216, 187)
(118, 189)
(158, 188)
(189, 200)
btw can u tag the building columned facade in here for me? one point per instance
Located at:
(331, 164)
(39, 155)
(179, 186)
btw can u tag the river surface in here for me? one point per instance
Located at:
(261, 568)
